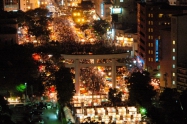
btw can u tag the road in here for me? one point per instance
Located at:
(50, 117)
(19, 114)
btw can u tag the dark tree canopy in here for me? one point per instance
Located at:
(100, 26)
(114, 96)
(183, 100)
(5, 112)
(140, 90)
(64, 85)
(16, 65)
(37, 22)
(170, 103)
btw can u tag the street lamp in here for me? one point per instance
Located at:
(25, 92)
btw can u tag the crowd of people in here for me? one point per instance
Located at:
(62, 29)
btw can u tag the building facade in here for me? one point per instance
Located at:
(178, 38)
(124, 15)
(177, 2)
(28, 4)
(173, 61)
(102, 8)
(8, 31)
(14, 5)
(151, 18)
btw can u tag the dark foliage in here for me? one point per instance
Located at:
(64, 86)
(140, 90)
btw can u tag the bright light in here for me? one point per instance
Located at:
(143, 111)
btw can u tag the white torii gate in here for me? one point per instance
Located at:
(77, 65)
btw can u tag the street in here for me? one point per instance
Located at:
(20, 114)
(50, 117)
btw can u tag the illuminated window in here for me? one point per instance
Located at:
(151, 44)
(151, 29)
(121, 0)
(149, 51)
(151, 59)
(174, 82)
(151, 37)
(173, 57)
(173, 74)
(173, 65)
(160, 15)
(150, 15)
(150, 22)
(173, 42)
(173, 49)
(159, 37)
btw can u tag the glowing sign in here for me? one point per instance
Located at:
(102, 9)
(156, 50)
(116, 10)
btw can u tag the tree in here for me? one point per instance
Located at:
(37, 22)
(100, 26)
(84, 27)
(171, 106)
(5, 112)
(16, 66)
(140, 90)
(114, 96)
(64, 86)
(183, 104)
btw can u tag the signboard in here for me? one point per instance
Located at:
(156, 50)
(116, 10)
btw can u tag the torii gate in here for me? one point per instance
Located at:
(77, 65)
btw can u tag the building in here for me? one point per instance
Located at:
(178, 37)
(173, 51)
(120, 13)
(28, 4)
(14, 5)
(124, 15)
(11, 5)
(151, 18)
(177, 2)
(166, 59)
(8, 30)
(1, 5)
(102, 8)
(68, 3)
